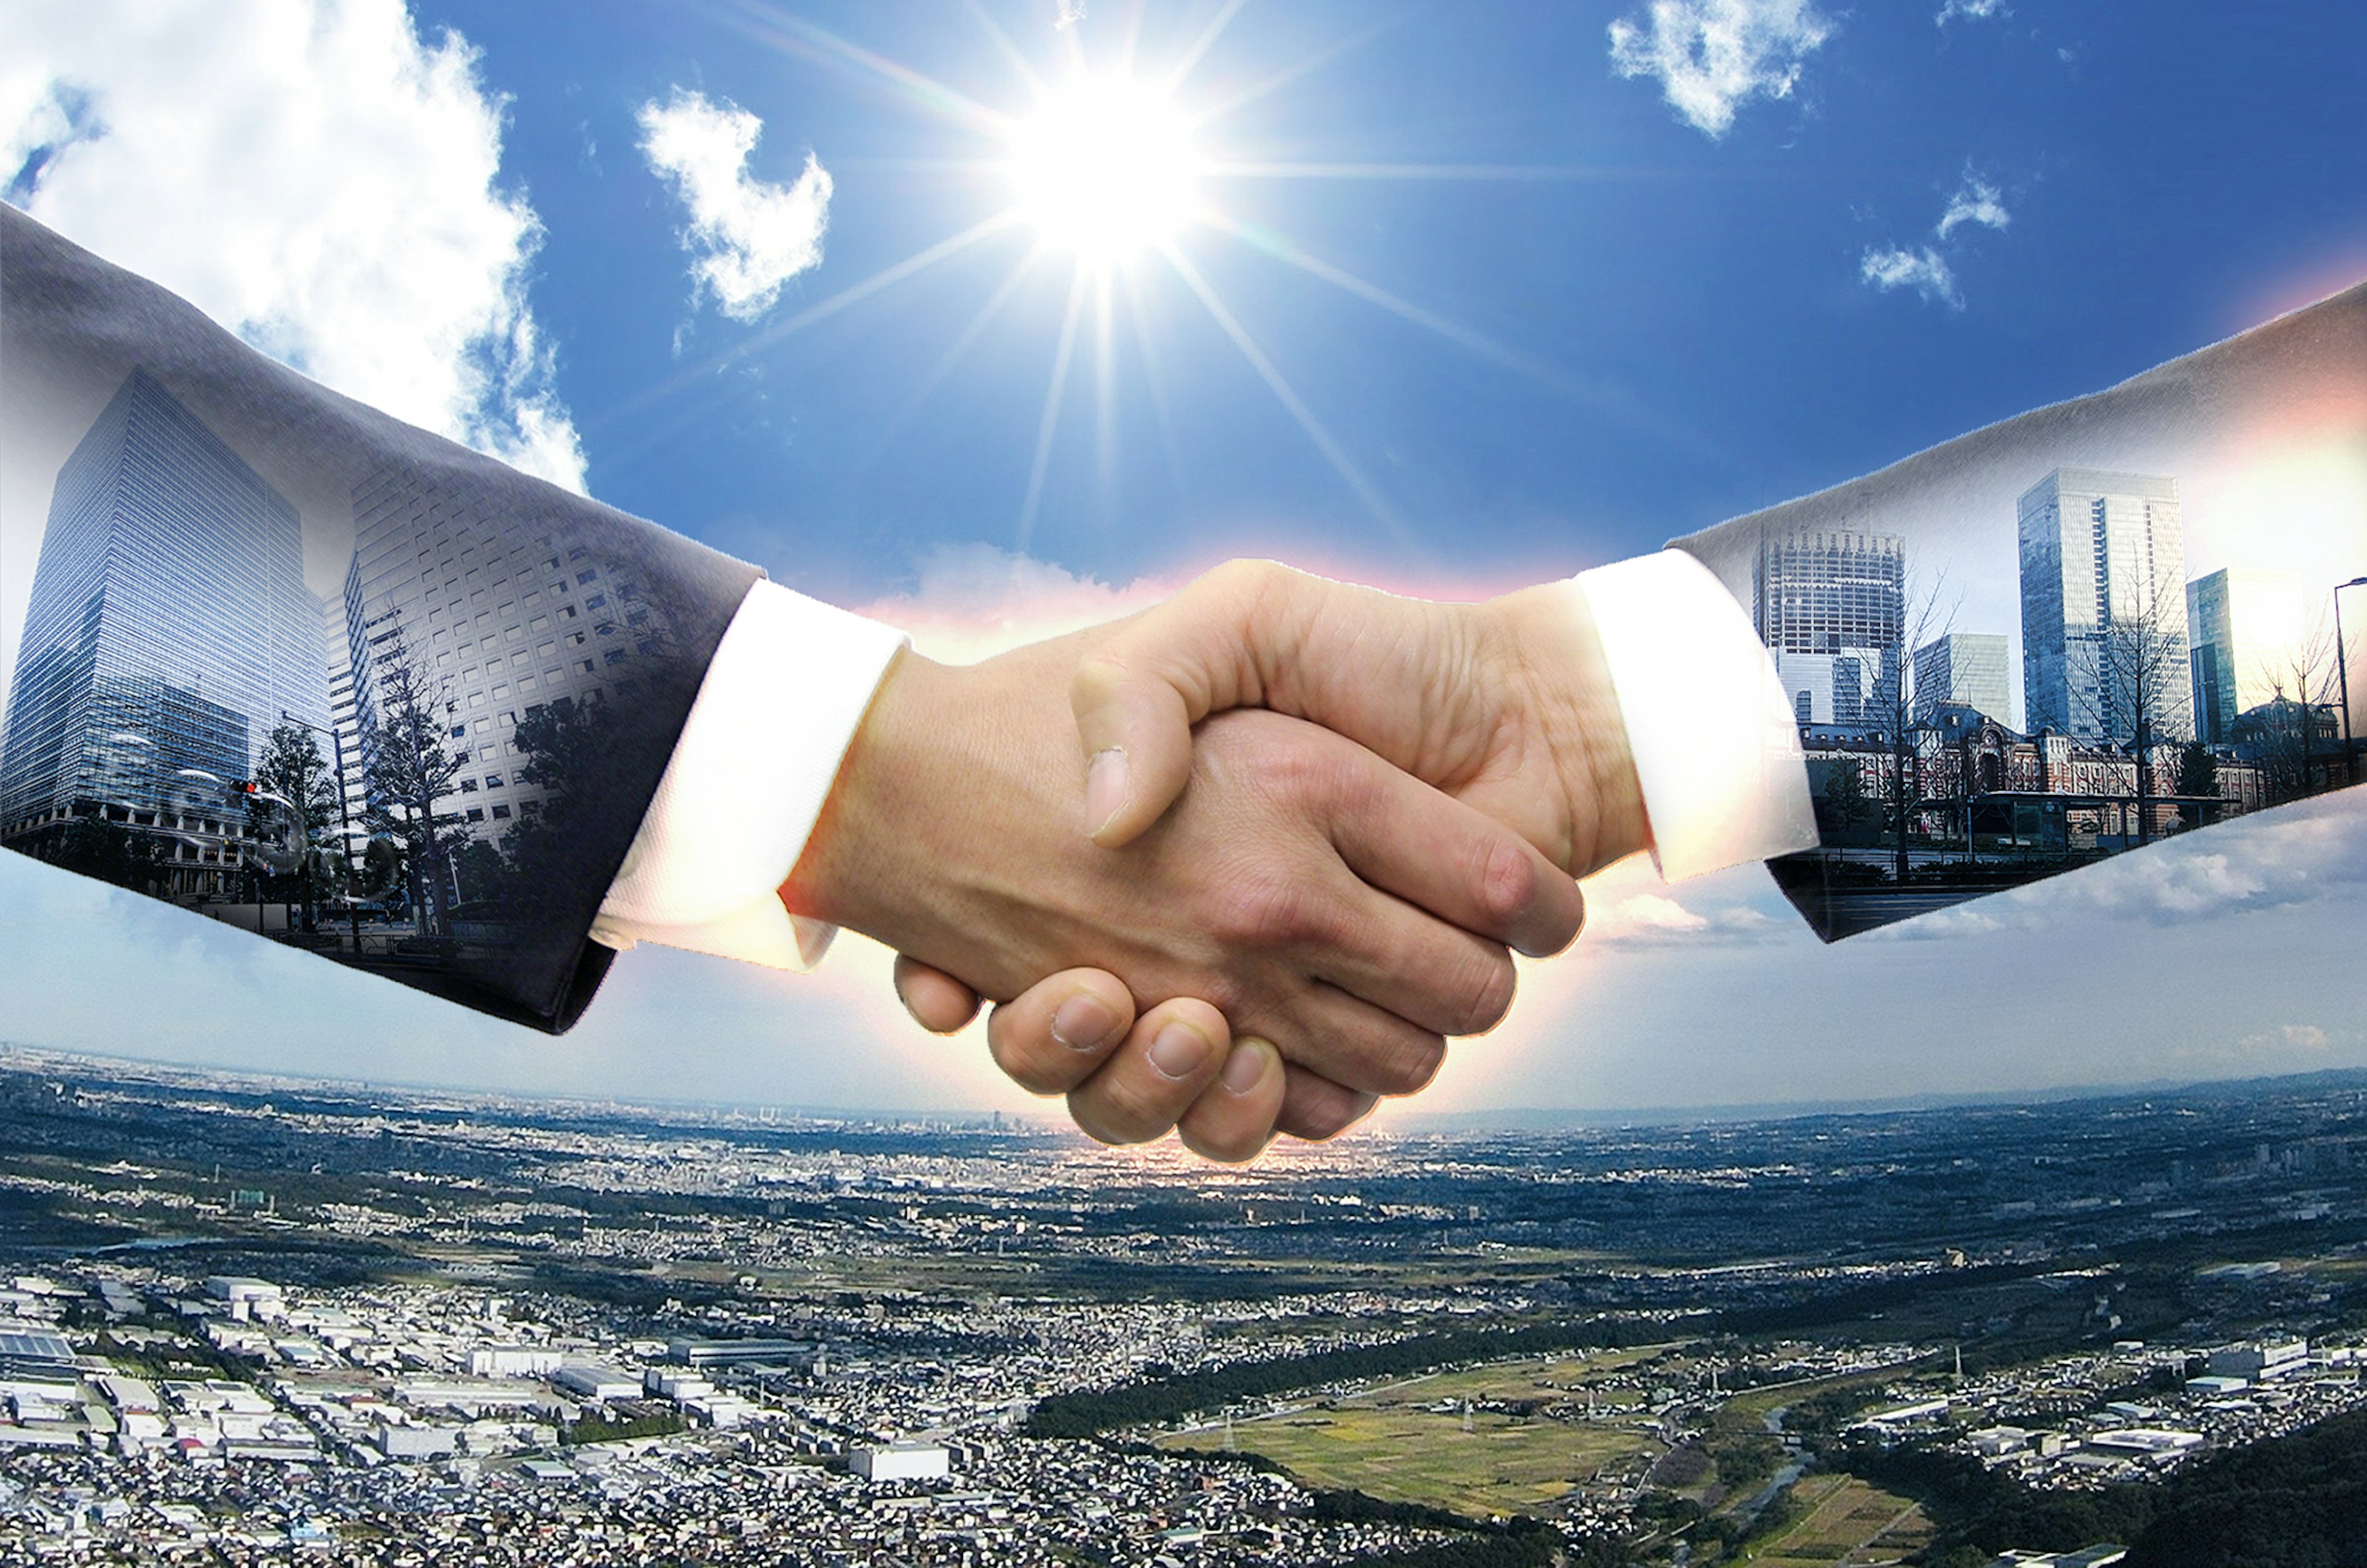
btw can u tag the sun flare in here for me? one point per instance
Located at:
(1104, 168)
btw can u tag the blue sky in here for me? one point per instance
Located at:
(1791, 246)
(2169, 173)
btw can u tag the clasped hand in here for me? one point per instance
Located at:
(1307, 825)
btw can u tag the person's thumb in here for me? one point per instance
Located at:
(1137, 695)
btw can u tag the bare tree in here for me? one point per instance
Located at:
(2300, 675)
(1928, 613)
(410, 768)
(2132, 681)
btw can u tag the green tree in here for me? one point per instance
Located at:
(412, 767)
(95, 847)
(2198, 773)
(305, 808)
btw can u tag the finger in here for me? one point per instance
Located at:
(1137, 695)
(1439, 854)
(1314, 1108)
(1174, 1053)
(1233, 1120)
(939, 1002)
(1435, 977)
(1363, 1048)
(1055, 1034)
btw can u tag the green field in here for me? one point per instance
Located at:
(1397, 1442)
(1842, 1522)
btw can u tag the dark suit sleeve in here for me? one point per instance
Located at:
(2083, 631)
(231, 558)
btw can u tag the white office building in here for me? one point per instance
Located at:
(901, 1461)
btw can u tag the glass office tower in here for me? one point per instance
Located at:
(169, 625)
(2103, 607)
(1964, 668)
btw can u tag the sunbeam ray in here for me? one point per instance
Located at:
(1130, 36)
(1202, 118)
(1332, 450)
(1267, 242)
(1268, 169)
(1203, 44)
(1603, 397)
(946, 362)
(1004, 46)
(1153, 377)
(800, 37)
(1104, 392)
(773, 333)
(1051, 422)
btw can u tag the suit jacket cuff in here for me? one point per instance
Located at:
(1717, 750)
(776, 713)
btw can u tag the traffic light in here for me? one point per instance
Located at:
(242, 790)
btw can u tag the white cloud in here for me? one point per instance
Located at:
(1969, 11)
(1975, 201)
(974, 600)
(318, 178)
(1711, 56)
(747, 236)
(1925, 271)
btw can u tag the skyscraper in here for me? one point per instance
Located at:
(2247, 626)
(1969, 667)
(501, 612)
(1831, 604)
(169, 625)
(2103, 607)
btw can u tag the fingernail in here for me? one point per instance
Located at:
(1245, 1068)
(1104, 787)
(1179, 1050)
(1083, 1023)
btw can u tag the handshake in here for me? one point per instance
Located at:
(1307, 827)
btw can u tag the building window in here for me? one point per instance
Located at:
(468, 787)
(616, 656)
(476, 814)
(585, 665)
(578, 553)
(586, 576)
(597, 602)
(501, 813)
(458, 730)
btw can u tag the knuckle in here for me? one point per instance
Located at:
(1026, 1068)
(1120, 1111)
(1488, 994)
(1266, 911)
(1408, 1065)
(1507, 881)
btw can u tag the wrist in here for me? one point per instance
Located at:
(1566, 687)
(854, 863)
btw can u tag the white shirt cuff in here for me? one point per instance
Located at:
(776, 713)
(1716, 750)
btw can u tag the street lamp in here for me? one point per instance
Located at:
(2342, 670)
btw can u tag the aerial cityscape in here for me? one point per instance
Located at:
(244, 1317)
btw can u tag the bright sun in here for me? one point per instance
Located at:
(1104, 168)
